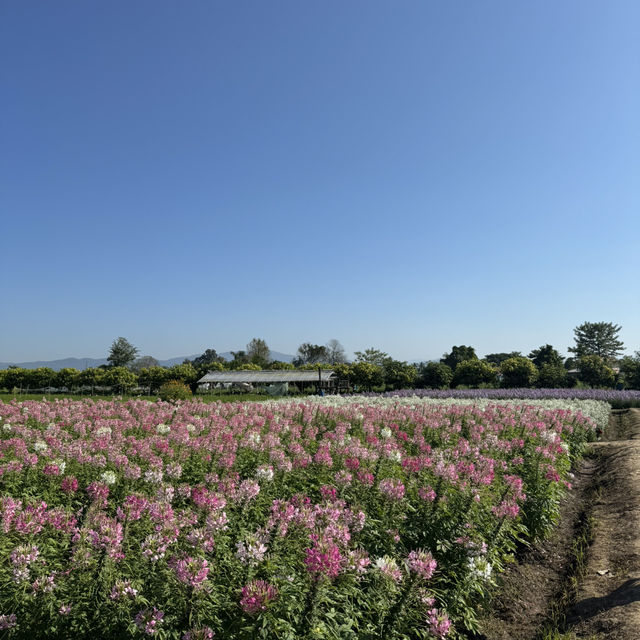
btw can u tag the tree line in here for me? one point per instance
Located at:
(595, 362)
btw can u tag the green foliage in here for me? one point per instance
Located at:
(473, 373)
(497, 359)
(310, 354)
(174, 390)
(277, 365)
(122, 353)
(597, 339)
(153, 377)
(630, 369)
(552, 376)
(434, 375)
(258, 352)
(518, 372)
(120, 379)
(91, 377)
(399, 375)
(335, 352)
(365, 375)
(67, 377)
(372, 356)
(186, 373)
(249, 366)
(546, 354)
(593, 371)
(209, 357)
(458, 355)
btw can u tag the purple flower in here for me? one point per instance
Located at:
(148, 620)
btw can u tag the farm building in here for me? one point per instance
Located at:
(276, 381)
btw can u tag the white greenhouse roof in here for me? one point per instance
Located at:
(267, 377)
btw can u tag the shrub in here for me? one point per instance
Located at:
(174, 390)
(595, 372)
(435, 375)
(473, 373)
(518, 372)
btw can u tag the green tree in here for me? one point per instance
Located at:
(122, 353)
(518, 372)
(120, 379)
(458, 355)
(546, 354)
(40, 378)
(67, 377)
(366, 375)
(278, 365)
(593, 370)
(434, 375)
(258, 352)
(399, 375)
(14, 378)
(473, 373)
(310, 354)
(91, 377)
(552, 376)
(597, 339)
(497, 359)
(208, 357)
(153, 377)
(372, 356)
(185, 373)
(630, 370)
(239, 358)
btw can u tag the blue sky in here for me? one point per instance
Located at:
(407, 175)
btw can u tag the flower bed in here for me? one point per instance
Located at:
(616, 398)
(274, 520)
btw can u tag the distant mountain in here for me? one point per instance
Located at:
(88, 363)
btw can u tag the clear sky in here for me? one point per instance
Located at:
(407, 175)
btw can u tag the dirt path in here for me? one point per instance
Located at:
(604, 581)
(608, 597)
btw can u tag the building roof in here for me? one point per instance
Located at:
(268, 377)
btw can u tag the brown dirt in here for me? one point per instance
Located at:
(599, 599)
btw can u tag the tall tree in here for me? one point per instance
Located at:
(597, 339)
(209, 356)
(335, 352)
(122, 353)
(498, 358)
(546, 354)
(310, 354)
(258, 352)
(372, 356)
(458, 355)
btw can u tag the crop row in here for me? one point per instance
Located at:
(274, 520)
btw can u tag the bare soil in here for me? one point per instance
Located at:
(584, 581)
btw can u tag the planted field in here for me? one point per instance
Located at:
(361, 519)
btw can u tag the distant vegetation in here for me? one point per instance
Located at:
(596, 365)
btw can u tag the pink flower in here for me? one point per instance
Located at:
(324, 558)
(203, 633)
(256, 595)
(8, 621)
(148, 620)
(439, 623)
(191, 571)
(392, 488)
(422, 564)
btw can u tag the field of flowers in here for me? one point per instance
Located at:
(274, 520)
(617, 398)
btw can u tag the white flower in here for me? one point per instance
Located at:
(40, 446)
(108, 477)
(163, 429)
(103, 431)
(7, 427)
(395, 456)
(61, 464)
(265, 472)
(479, 568)
(191, 428)
(385, 432)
